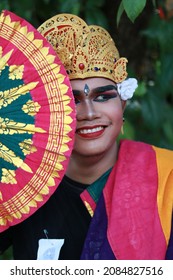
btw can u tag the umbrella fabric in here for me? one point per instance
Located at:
(37, 120)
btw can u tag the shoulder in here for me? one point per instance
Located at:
(137, 151)
(136, 148)
(164, 155)
(141, 147)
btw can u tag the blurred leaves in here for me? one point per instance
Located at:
(4, 5)
(149, 114)
(7, 254)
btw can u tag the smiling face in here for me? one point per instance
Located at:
(99, 116)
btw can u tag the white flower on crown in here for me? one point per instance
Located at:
(127, 88)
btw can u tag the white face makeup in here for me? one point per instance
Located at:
(99, 115)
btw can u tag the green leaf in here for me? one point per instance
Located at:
(119, 13)
(133, 8)
(154, 3)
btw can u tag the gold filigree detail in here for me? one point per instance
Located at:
(120, 70)
(85, 50)
(4, 59)
(9, 156)
(8, 96)
(8, 176)
(31, 108)
(27, 147)
(16, 72)
(11, 127)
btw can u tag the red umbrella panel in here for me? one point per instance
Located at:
(37, 120)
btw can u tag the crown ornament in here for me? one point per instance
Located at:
(85, 50)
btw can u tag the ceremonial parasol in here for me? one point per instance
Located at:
(37, 120)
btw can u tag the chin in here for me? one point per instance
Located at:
(90, 150)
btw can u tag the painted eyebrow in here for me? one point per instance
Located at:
(76, 92)
(97, 90)
(104, 88)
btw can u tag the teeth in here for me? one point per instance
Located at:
(90, 130)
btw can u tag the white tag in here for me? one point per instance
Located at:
(49, 249)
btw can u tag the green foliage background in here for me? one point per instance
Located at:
(146, 41)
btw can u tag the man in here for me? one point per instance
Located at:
(115, 201)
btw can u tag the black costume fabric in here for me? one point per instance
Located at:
(59, 217)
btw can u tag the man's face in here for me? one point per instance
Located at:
(99, 116)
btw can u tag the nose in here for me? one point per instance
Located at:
(87, 111)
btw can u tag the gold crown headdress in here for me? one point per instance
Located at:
(85, 50)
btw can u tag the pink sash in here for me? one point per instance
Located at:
(134, 228)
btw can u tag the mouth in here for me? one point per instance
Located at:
(91, 132)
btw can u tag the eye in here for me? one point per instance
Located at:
(105, 97)
(76, 96)
(76, 100)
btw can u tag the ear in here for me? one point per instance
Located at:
(123, 102)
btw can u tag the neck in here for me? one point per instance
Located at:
(87, 169)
